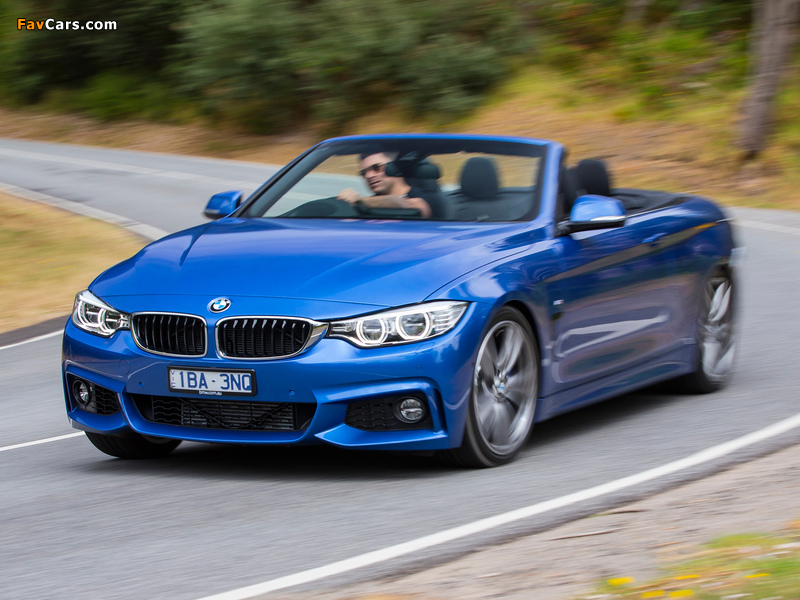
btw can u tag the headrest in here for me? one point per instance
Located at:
(479, 179)
(426, 170)
(569, 186)
(412, 166)
(593, 177)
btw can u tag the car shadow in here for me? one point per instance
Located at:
(604, 413)
(323, 462)
(318, 462)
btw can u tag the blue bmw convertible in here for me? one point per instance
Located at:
(405, 292)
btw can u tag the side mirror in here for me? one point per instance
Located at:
(222, 204)
(593, 212)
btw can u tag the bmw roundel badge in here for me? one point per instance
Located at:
(218, 305)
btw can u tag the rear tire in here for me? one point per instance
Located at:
(715, 337)
(505, 387)
(132, 445)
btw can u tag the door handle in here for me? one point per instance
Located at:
(654, 239)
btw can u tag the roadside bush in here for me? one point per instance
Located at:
(661, 68)
(586, 23)
(334, 59)
(243, 58)
(268, 64)
(39, 61)
(711, 17)
(447, 76)
(113, 96)
(354, 55)
(6, 40)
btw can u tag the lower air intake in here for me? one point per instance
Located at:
(240, 415)
(378, 414)
(100, 400)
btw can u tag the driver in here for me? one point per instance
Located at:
(389, 191)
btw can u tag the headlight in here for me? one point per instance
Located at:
(401, 325)
(95, 316)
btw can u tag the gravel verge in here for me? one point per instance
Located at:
(636, 540)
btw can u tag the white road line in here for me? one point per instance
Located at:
(121, 153)
(44, 441)
(386, 554)
(148, 232)
(112, 166)
(769, 227)
(35, 339)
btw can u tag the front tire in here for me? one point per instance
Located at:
(715, 337)
(132, 445)
(505, 386)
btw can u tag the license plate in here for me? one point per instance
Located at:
(207, 382)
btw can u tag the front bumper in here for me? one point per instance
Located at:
(325, 381)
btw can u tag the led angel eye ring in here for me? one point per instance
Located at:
(371, 342)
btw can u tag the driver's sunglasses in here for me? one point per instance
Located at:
(377, 167)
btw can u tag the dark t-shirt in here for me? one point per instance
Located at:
(433, 197)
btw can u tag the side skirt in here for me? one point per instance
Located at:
(671, 364)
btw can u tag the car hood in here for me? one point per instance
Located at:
(378, 263)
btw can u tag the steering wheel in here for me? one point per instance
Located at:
(332, 207)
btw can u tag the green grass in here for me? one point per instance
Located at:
(746, 566)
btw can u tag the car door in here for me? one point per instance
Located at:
(613, 312)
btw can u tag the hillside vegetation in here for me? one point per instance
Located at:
(656, 87)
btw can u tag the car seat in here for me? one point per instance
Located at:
(593, 177)
(479, 179)
(423, 175)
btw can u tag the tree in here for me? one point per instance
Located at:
(775, 28)
(635, 10)
(690, 5)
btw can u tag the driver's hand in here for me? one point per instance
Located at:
(349, 195)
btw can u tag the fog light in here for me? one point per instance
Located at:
(81, 392)
(410, 410)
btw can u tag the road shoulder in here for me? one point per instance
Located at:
(635, 540)
(15, 336)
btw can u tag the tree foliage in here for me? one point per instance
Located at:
(41, 60)
(269, 64)
(332, 59)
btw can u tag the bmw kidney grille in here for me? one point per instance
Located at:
(261, 337)
(171, 334)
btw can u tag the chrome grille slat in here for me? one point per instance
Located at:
(262, 337)
(172, 334)
(159, 329)
(172, 340)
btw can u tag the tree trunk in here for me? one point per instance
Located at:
(691, 5)
(775, 27)
(635, 11)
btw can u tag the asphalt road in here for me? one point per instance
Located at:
(78, 524)
(169, 192)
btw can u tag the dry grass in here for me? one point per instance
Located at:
(49, 256)
(151, 137)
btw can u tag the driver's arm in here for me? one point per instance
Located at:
(420, 204)
(349, 195)
(387, 201)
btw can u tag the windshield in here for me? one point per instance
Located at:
(451, 179)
